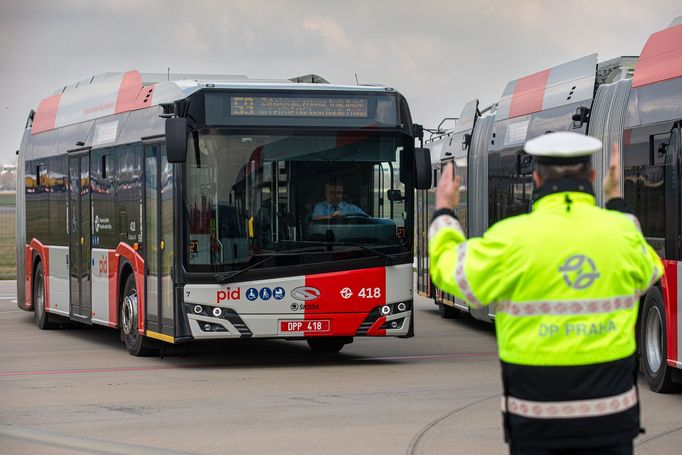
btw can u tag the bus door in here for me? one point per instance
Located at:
(79, 237)
(158, 235)
(673, 209)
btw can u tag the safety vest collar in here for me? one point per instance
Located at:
(555, 191)
(564, 199)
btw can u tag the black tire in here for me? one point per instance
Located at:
(446, 311)
(136, 343)
(655, 367)
(327, 345)
(42, 318)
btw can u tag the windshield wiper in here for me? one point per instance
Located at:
(227, 276)
(389, 257)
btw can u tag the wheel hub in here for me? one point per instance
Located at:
(129, 315)
(654, 329)
(39, 298)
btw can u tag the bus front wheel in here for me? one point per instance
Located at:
(136, 343)
(654, 344)
(39, 297)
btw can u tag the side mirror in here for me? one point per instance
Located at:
(422, 168)
(394, 195)
(581, 116)
(176, 139)
(466, 141)
(524, 164)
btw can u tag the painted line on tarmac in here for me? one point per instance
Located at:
(87, 445)
(90, 370)
(178, 367)
(433, 356)
(419, 437)
(666, 433)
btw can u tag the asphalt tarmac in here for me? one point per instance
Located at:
(76, 390)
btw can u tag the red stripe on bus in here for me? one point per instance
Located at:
(45, 117)
(44, 254)
(136, 261)
(28, 281)
(670, 286)
(376, 329)
(131, 86)
(661, 58)
(350, 294)
(113, 288)
(529, 94)
(627, 136)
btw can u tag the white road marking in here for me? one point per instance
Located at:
(52, 439)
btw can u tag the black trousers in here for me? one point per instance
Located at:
(618, 449)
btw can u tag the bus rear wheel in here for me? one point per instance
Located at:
(446, 311)
(654, 345)
(328, 345)
(39, 297)
(136, 343)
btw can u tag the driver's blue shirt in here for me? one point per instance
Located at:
(326, 209)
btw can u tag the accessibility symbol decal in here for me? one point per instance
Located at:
(278, 293)
(265, 293)
(252, 294)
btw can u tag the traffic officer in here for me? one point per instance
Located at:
(566, 281)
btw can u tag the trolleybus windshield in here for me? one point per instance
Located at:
(248, 196)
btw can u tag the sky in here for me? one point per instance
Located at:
(438, 54)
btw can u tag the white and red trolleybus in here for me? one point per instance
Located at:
(179, 210)
(633, 101)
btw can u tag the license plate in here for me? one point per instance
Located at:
(317, 326)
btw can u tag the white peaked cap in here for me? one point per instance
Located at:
(563, 145)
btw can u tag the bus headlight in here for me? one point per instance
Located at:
(402, 306)
(217, 312)
(385, 310)
(198, 309)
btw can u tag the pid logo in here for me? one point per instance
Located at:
(228, 294)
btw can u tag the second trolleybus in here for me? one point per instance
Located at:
(635, 102)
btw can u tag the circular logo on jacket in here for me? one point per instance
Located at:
(579, 271)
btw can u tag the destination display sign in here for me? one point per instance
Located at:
(279, 106)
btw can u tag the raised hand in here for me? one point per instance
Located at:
(447, 191)
(612, 177)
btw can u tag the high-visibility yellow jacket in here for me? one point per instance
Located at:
(566, 281)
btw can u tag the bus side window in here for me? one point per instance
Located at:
(123, 224)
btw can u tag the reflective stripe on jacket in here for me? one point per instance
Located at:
(566, 280)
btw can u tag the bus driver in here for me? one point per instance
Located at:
(333, 205)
